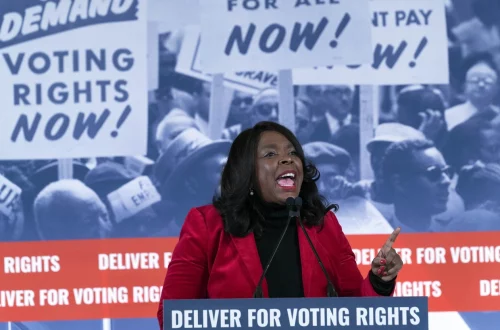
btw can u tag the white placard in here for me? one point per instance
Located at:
(74, 79)
(245, 35)
(9, 196)
(188, 63)
(133, 197)
(410, 46)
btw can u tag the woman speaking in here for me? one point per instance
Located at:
(224, 248)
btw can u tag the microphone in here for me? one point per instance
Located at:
(330, 289)
(290, 203)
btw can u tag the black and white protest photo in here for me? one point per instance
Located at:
(118, 117)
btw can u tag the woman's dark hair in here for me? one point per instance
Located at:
(241, 212)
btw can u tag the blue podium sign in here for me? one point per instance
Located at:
(292, 313)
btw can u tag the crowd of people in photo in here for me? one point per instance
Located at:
(435, 155)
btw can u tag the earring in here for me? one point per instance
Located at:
(251, 192)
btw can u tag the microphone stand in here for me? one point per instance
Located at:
(330, 289)
(258, 289)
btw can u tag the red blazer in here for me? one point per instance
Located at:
(209, 263)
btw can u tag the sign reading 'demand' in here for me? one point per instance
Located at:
(348, 313)
(74, 78)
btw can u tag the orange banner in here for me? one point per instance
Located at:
(122, 278)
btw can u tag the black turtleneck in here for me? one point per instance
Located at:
(284, 277)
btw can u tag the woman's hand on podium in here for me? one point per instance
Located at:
(388, 263)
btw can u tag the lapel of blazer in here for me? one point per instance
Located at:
(247, 250)
(307, 258)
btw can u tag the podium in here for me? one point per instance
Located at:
(298, 313)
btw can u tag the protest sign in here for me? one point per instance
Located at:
(243, 35)
(188, 63)
(9, 196)
(74, 79)
(133, 197)
(410, 46)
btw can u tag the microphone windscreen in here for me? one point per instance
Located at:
(290, 203)
(298, 202)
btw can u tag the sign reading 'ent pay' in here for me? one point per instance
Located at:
(283, 34)
(410, 46)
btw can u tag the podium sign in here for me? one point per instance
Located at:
(292, 313)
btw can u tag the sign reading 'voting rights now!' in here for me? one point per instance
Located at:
(65, 92)
(312, 313)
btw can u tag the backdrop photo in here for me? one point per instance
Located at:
(118, 117)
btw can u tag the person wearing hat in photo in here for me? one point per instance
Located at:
(332, 108)
(356, 215)
(422, 108)
(332, 162)
(108, 177)
(188, 173)
(479, 187)
(415, 182)
(385, 135)
(49, 173)
(170, 126)
(239, 109)
(193, 96)
(265, 106)
(478, 138)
